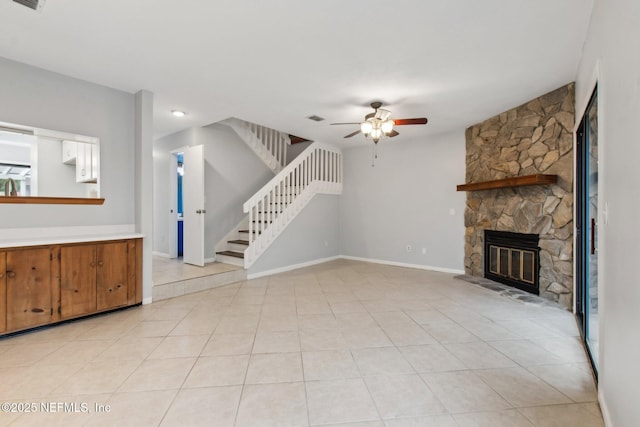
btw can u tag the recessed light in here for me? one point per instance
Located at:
(315, 118)
(178, 113)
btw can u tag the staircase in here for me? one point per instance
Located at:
(317, 170)
(268, 144)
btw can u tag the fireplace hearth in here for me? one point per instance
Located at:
(512, 259)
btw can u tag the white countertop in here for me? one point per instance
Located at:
(57, 240)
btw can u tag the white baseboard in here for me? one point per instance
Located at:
(146, 301)
(371, 260)
(290, 267)
(209, 260)
(604, 409)
(403, 264)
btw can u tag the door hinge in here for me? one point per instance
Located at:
(59, 310)
(52, 311)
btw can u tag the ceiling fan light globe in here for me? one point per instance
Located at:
(387, 127)
(366, 128)
(376, 133)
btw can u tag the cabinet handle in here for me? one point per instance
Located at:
(11, 274)
(100, 263)
(1, 275)
(92, 264)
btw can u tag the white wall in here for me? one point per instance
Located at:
(313, 235)
(405, 200)
(613, 47)
(39, 98)
(233, 173)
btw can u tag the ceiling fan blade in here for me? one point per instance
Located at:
(345, 123)
(418, 121)
(352, 134)
(393, 133)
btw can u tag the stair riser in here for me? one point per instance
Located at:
(230, 260)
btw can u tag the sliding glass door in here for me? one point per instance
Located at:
(587, 227)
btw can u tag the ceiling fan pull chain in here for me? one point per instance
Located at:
(374, 154)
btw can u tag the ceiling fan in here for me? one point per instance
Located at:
(378, 123)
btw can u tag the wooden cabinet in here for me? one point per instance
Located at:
(3, 291)
(112, 275)
(42, 285)
(77, 280)
(30, 287)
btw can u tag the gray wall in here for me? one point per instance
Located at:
(314, 234)
(613, 48)
(405, 200)
(233, 173)
(294, 150)
(39, 98)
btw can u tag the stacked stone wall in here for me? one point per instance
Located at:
(536, 137)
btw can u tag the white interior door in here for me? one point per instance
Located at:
(193, 205)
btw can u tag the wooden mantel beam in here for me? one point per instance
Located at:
(518, 181)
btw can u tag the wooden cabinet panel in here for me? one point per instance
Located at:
(77, 280)
(3, 292)
(112, 277)
(29, 286)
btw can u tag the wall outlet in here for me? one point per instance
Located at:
(452, 211)
(326, 243)
(409, 248)
(424, 251)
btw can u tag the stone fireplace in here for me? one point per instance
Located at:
(534, 138)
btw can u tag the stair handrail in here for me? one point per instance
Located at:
(317, 170)
(287, 170)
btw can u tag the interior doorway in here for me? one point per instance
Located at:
(587, 224)
(186, 188)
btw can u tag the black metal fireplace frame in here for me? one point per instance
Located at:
(522, 241)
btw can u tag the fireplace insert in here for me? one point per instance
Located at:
(512, 259)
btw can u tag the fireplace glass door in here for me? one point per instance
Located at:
(587, 227)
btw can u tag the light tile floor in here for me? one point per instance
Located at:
(343, 343)
(167, 270)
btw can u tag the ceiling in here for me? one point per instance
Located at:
(277, 62)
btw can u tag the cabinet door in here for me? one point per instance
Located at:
(83, 162)
(29, 283)
(77, 280)
(69, 152)
(3, 292)
(112, 277)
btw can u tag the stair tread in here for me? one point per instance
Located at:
(231, 253)
(246, 231)
(239, 242)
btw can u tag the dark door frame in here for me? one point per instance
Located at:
(583, 226)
